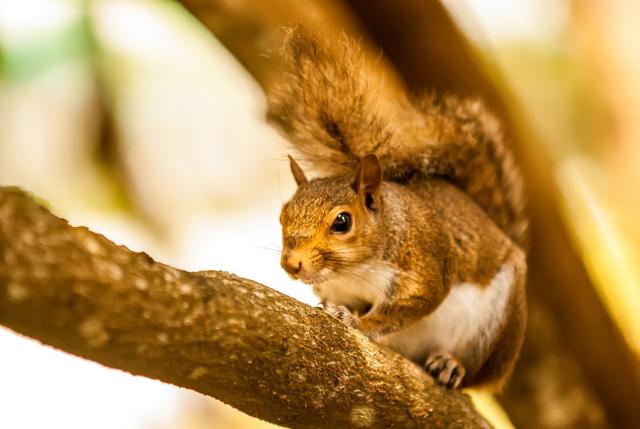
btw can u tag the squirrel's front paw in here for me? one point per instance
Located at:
(445, 369)
(341, 313)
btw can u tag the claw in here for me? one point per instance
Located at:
(445, 369)
(341, 313)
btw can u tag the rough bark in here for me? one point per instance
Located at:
(227, 337)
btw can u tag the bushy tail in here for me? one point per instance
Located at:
(335, 106)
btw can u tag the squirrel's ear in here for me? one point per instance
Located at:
(368, 179)
(297, 172)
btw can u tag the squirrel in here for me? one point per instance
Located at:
(415, 231)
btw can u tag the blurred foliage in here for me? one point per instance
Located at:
(556, 93)
(578, 128)
(28, 59)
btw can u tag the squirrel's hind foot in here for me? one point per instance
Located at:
(445, 369)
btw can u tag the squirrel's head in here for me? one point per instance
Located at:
(331, 225)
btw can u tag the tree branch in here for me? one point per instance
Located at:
(226, 337)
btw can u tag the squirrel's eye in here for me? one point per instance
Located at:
(342, 223)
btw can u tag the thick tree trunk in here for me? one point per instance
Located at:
(581, 339)
(230, 338)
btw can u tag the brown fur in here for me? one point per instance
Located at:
(336, 107)
(449, 211)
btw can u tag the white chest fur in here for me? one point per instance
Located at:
(464, 324)
(361, 285)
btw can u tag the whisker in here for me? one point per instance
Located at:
(351, 262)
(356, 276)
(274, 249)
(347, 269)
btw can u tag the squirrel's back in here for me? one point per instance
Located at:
(336, 106)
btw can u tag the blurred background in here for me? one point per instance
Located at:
(144, 120)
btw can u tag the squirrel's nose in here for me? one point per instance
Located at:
(292, 263)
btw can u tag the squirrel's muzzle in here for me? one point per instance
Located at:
(291, 262)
